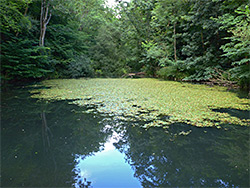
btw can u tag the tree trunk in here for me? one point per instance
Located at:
(44, 20)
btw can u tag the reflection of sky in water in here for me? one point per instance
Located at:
(106, 168)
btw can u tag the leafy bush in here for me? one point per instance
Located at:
(79, 67)
(152, 57)
(171, 73)
(22, 59)
(242, 75)
(237, 48)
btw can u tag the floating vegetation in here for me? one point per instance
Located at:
(149, 100)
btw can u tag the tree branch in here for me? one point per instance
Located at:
(48, 19)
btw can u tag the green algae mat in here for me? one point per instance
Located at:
(158, 103)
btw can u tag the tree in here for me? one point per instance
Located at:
(137, 16)
(166, 24)
(45, 16)
(20, 53)
(12, 16)
(69, 35)
(201, 40)
(237, 47)
(167, 16)
(108, 56)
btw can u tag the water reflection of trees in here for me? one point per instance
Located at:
(205, 157)
(236, 150)
(39, 140)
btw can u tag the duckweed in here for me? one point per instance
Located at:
(149, 100)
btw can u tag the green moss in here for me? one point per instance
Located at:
(149, 100)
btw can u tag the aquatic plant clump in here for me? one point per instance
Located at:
(158, 103)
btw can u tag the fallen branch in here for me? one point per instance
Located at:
(134, 75)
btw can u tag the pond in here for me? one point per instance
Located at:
(59, 143)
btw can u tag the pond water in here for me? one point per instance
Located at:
(56, 145)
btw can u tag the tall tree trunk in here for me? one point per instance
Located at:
(44, 20)
(175, 55)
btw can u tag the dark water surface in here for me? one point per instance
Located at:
(56, 145)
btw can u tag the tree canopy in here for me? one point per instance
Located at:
(192, 40)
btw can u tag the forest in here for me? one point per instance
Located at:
(72, 117)
(205, 41)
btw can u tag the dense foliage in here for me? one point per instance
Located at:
(192, 40)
